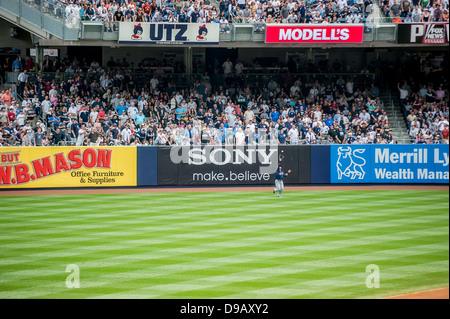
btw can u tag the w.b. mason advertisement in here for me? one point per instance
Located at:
(66, 166)
(168, 33)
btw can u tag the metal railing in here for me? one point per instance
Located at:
(398, 121)
(179, 79)
(51, 16)
(239, 32)
(183, 80)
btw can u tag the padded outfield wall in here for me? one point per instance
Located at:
(59, 167)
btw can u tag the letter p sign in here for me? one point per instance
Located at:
(373, 280)
(416, 31)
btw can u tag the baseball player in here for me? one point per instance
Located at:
(279, 184)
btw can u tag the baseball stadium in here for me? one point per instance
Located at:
(224, 150)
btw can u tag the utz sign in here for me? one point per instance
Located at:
(168, 33)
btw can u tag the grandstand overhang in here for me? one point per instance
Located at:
(240, 44)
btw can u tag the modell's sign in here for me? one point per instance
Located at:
(168, 33)
(426, 33)
(282, 33)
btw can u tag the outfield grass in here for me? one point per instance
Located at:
(224, 245)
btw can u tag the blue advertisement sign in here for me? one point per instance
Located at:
(389, 163)
(147, 166)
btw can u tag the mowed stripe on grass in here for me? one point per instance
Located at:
(224, 245)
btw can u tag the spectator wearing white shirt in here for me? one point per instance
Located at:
(46, 108)
(293, 135)
(132, 111)
(239, 67)
(240, 137)
(154, 82)
(93, 115)
(23, 82)
(126, 134)
(349, 87)
(364, 116)
(142, 103)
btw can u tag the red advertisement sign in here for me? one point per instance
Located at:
(283, 33)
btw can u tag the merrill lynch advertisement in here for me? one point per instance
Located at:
(168, 33)
(389, 164)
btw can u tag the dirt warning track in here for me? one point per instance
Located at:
(67, 191)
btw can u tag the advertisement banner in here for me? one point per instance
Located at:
(43, 167)
(320, 158)
(306, 33)
(425, 33)
(389, 163)
(168, 33)
(233, 165)
(147, 166)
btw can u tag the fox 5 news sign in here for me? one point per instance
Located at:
(306, 33)
(168, 33)
(425, 33)
(389, 164)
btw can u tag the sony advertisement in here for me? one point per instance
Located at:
(231, 165)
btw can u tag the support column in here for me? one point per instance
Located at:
(310, 54)
(188, 59)
(39, 56)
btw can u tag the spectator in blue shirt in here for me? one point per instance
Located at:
(274, 115)
(17, 65)
(374, 91)
(54, 121)
(121, 108)
(221, 136)
(329, 121)
(282, 137)
(140, 118)
(180, 112)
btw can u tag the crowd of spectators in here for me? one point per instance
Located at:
(425, 108)
(424, 98)
(111, 110)
(257, 12)
(415, 10)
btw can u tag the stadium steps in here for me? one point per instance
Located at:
(396, 119)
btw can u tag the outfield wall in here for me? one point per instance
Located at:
(47, 167)
(51, 167)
